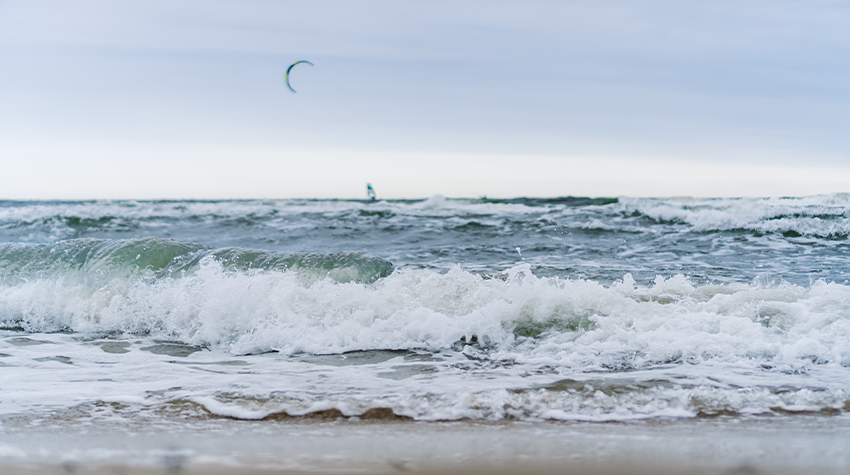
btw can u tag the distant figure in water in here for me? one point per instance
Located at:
(370, 192)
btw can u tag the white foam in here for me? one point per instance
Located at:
(719, 347)
(230, 410)
(136, 211)
(767, 215)
(625, 324)
(579, 404)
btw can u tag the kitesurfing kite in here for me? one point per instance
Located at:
(290, 69)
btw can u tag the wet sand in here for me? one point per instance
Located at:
(724, 445)
(124, 470)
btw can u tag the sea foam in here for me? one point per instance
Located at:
(512, 316)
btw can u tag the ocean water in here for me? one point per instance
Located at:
(157, 313)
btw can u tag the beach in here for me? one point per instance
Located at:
(803, 444)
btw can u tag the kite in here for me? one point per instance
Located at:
(290, 69)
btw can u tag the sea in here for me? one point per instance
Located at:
(508, 319)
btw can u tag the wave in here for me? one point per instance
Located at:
(566, 400)
(100, 261)
(96, 283)
(251, 301)
(823, 216)
(82, 214)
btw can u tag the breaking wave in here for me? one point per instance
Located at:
(823, 216)
(256, 301)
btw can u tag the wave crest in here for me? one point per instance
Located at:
(516, 318)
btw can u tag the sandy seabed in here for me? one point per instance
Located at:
(796, 444)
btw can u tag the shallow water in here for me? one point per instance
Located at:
(436, 310)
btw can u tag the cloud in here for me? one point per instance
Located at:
(722, 82)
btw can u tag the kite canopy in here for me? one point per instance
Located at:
(290, 69)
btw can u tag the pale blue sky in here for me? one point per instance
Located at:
(165, 99)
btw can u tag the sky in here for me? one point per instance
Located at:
(187, 100)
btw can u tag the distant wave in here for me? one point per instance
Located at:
(825, 216)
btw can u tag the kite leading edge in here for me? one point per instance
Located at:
(290, 69)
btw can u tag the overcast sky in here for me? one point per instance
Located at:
(186, 99)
